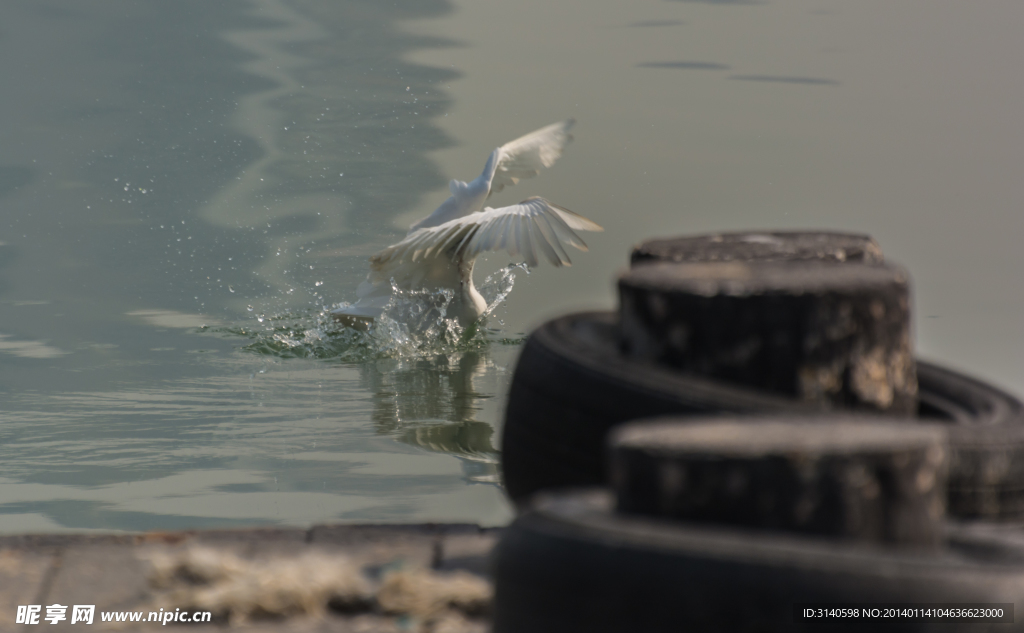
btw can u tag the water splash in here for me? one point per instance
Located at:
(416, 321)
(498, 285)
(305, 334)
(415, 324)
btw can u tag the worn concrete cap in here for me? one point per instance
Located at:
(755, 278)
(765, 436)
(761, 245)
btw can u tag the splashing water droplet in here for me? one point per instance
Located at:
(414, 324)
(497, 286)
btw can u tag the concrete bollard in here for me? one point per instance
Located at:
(856, 478)
(836, 335)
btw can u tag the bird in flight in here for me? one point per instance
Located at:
(440, 250)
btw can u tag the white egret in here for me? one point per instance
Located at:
(440, 250)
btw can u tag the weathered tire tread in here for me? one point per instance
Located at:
(572, 385)
(569, 563)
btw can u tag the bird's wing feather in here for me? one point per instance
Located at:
(527, 155)
(530, 229)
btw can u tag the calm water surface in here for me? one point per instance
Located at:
(184, 186)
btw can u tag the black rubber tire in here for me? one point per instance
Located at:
(986, 442)
(570, 564)
(572, 385)
(996, 541)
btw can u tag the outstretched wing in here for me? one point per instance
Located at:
(530, 229)
(527, 155)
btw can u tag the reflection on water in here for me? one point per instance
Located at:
(278, 444)
(436, 403)
(427, 375)
(211, 179)
(186, 188)
(28, 349)
(343, 129)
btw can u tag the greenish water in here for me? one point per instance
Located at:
(184, 188)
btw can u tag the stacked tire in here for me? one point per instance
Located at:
(575, 381)
(780, 337)
(861, 533)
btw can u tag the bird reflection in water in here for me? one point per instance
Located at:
(436, 404)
